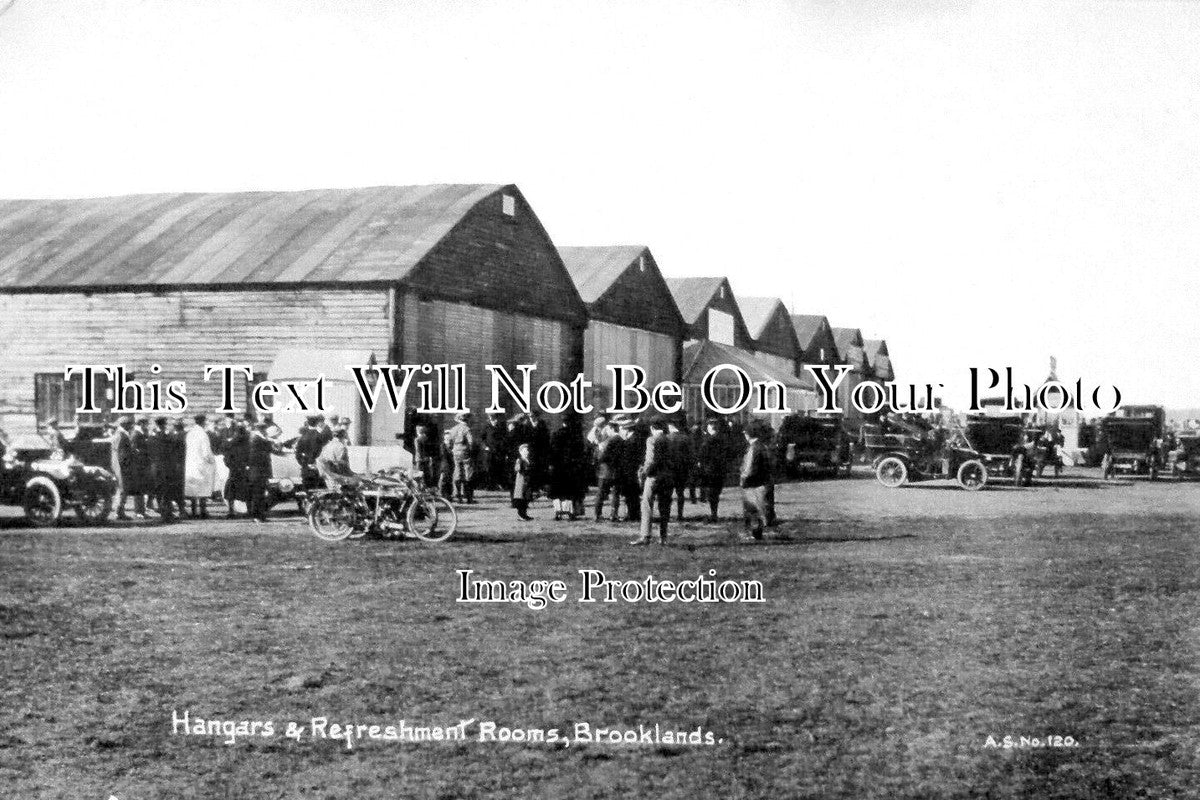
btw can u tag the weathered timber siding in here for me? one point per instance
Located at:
(436, 332)
(605, 343)
(779, 338)
(504, 263)
(182, 331)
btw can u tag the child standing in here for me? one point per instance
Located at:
(522, 491)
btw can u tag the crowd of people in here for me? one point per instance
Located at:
(636, 469)
(646, 466)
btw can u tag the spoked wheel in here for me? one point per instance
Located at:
(432, 518)
(331, 517)
(94, 509)
(43, 503)
(892, 472)
(972, 475)
(1019, 470)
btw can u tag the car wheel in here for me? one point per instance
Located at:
(43, 503)
(94, 509)
(972, 475)
(892, 472)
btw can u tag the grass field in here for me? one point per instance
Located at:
(901, 630)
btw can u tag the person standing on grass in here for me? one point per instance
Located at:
(630, 459)
(492, 466)
(522, 491)
(712, 459)
(753, 478)
(608, 466)
(177, 474)
(200, 469)
(159, 452)
(680, 445)
(258, 471)
(124, 467)
(656, 477)
(462, 454)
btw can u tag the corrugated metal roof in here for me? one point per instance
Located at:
(807, 326)
(693, 294)
(323, 235)
(594, 269)
(757, 312)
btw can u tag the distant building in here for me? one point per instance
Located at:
(393, 274)
(770, 328)
(879, 360)
(852, 353)
(632, 317)
(815, 336)
(718, 336)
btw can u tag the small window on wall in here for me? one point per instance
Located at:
(822, 354)
(508, 204)
(720, 326)
(642, 263)
(57, 398)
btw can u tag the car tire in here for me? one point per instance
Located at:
(94, 510)
(891, 471)
(42, 503)
(972, 475)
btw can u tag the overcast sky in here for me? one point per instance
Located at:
(982, 184)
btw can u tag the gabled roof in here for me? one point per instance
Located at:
(757, 312)
(882, 367)
(701, 356)
(875, 348)
(325, 235)
(807, 326)
(692, 295)
(845, 338)
(622, 284)
(595, 269)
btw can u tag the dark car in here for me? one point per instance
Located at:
(813, 444)
(46, 486)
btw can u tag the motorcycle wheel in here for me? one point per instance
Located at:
(432, 518)
(331, 517)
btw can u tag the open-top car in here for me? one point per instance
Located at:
(46, 484)
(910, 455)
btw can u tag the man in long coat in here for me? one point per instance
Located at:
(124, 467)
(609, 454)
(159, 455)
(200, 467)
(237, 453)
(679, 442)
(258, 471)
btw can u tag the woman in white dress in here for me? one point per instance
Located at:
(200, 468)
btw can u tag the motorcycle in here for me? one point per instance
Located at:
(390, 503)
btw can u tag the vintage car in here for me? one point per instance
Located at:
(809, 444)
(46, 483)
(905, 454)
(1129, 441)
(1005, 444)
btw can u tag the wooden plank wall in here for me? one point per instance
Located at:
(179, 330)
(605, 343)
